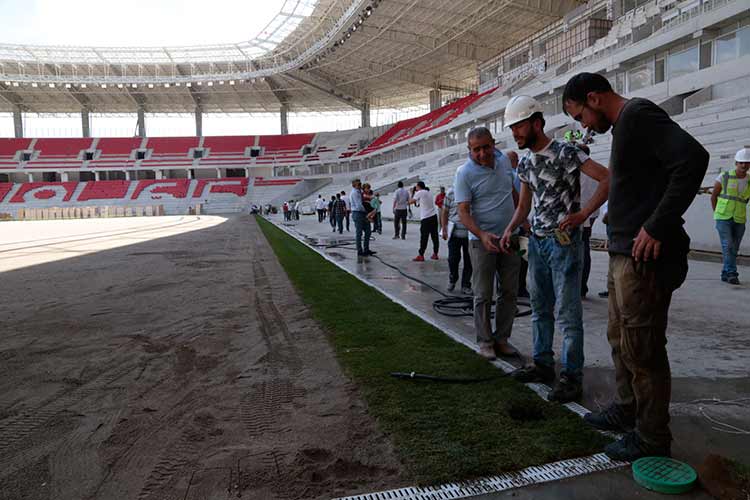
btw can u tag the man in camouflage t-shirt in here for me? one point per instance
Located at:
(550, 172)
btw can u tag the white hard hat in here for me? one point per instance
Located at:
(520, 108)
(742, 156)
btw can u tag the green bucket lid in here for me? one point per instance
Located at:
(664, 475)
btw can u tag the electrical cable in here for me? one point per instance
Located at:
(450, 305)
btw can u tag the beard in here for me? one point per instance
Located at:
(602, 124)
(529, 141)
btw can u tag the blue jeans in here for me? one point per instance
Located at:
(730, 234)
(555, 289)
(340, 223)
(361, 225)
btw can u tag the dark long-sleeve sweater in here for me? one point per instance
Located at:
(656, 168)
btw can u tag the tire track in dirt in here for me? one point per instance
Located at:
(179, 456)
(19, 433)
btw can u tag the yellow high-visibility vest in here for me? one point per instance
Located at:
(731, 203)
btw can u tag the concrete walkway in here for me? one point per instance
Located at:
(708, 347)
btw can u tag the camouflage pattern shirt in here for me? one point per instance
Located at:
(554, 176)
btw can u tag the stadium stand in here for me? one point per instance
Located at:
(61, 148)
(413, 127)
(104, 190)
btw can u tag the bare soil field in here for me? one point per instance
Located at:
(170, 362)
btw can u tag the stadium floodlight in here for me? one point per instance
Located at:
(231, 82)
(150, 85)
(188, 84)
(199, 83)
(134, 85)
(221, 82)
(7, 83)
(15, 84)
(120, 85)
(210, 84)
(368, 11)
(354, 27)
(104, 85)
(166, 85)
(52, 85)
(67, 85)
(178, 84)
(34, 84)
(83, 85)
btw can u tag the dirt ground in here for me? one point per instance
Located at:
(182, 367)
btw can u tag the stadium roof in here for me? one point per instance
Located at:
(315, 55)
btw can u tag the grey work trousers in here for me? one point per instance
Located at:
(485, 266)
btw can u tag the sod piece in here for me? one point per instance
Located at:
(442, 432)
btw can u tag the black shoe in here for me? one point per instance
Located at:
(451, 287)
(534, 373)
(734, 280)
(724, 279)
(566, 389)
(370, 252)
(604, 295)
(613, 418)
(631, 447)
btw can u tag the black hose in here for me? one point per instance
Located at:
(450, 305)
(448, 380)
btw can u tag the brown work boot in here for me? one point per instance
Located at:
(503, 348)
(487, 352)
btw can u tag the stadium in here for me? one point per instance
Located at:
(173, 329)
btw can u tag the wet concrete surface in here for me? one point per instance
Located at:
(708, 346)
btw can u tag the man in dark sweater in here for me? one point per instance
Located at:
(656, 168)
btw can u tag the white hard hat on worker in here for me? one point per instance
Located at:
(742, 156)
(520, 108)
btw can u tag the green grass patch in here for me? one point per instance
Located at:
(442, 432)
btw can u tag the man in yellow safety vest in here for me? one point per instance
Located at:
(729, 199)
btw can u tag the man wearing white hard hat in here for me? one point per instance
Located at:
(729, 199)
(550, 175)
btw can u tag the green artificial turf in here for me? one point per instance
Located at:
(442, 432)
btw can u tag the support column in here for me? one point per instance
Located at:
(189, 174)
(85, 123)
(96, 175)
(198, 121)
(31, 177)
(365, 114)
(159, 175)
(64, 177)
(218, 173)
(141, 122)
(127, 175)
(284, 119)
(436, 99)
(18, 121)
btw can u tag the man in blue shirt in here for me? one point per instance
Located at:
(485, 196)
(359, 215)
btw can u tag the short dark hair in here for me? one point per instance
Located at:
(421, 185)
(400, 184)
(478, 132)
(579, 86)
(343, 192)
(540, 116)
